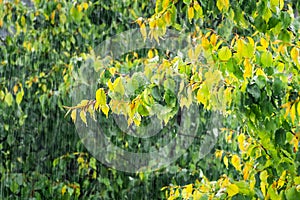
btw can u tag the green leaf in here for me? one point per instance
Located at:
(266, 59)
(292, 194)
(92, 163)
(254, 91)
(169, 84)
(280, 137)
(143, 110)
(8, 99)
(19, 97)
(75, 14)
(14, 187)
(224, 53)
(285, 36)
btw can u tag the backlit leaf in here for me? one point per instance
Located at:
(295, 55)
(19, 97)
(223, 5)
(232, 190)
(8, 99)
(293, 113)
(100, 98)
(236, 162)
(105, 110)
(225, 160)
(266, 59)
(224, 53)
(190, 13)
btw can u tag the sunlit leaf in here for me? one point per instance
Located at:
(225, 160)
(19, 97)
(224, 53)
(8, 99)
(293, 113)
(223, 5)
(190, 13)
(100, 98)
(105, 110)
(232, 190)
(266, 59)
(295, 55)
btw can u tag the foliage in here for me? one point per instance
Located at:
(259, 68)
(243, 62)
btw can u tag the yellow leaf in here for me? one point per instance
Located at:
(241, 142)
(52, 17)
(105, 110)
(63, 190)
(236, 162)
(293, 112)
(23, 21)
(259, 71)
(281, 180)
(225, 160)
(298, 109)
(232, 190)
(246, 172)
(248, 69)
(198, 9)
(82, 115)
(205, 43)
(73, 115)
(295, 55)
(264, 43)
(117, 86)
(196, 195)
(150, 54)
(165, 4)
(263, 188)
(100, 98)
(213, 39)
(79, 8)
(143, 31)
(190, 13)
(168, 18)
(224, 53)
(110, 85)
(19, 97)
(219, 154)
(295, 143)
(223, 5)
(189, 188)
(85, 5)
(80, 160)
(112, 70)
(177, 194)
